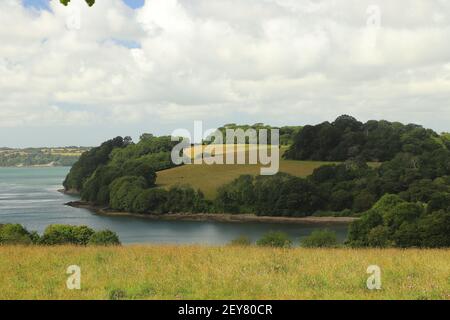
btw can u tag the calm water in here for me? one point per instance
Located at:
(29, 196)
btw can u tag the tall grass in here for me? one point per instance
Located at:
(230, 272)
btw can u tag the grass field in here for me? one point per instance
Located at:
(209, 178)
(193, 272)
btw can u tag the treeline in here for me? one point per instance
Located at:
(16, 234)
(346, 138)
(121, 175)
(287, 133)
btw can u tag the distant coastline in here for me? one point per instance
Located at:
(218, 217)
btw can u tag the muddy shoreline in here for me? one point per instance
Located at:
(219, 217)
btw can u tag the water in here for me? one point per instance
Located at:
(29, 196)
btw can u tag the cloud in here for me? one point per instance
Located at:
(172, 61)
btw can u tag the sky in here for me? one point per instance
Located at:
(78, 76)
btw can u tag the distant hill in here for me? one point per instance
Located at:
(60, 156)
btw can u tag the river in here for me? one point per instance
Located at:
(29, 196)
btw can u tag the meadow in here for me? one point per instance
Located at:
(196, 272)
(208, 178)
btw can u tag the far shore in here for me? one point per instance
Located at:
(219, 217)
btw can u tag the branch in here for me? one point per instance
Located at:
(89, 2)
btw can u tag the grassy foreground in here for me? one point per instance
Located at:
(194, 272)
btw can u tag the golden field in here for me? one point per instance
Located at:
(196, 272)
(208, 178)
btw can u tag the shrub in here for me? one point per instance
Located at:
(379, 237)
(150, 201)
(320, 239)
(275, 239)
(15, 234)
(65, 234)
(241, 241)
(104, 238)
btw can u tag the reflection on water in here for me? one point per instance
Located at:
(29, 196)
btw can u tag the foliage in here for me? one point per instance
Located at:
(104, 238)
(64, 234)
(89, 2)
(100, 173)
(241, 241)
(395, 222)
(275, 239)
(346, 138)
(90, 161)
(287, 133)
(320, 239)
(277, 195)
(15, 234)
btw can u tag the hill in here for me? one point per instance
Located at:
(193, 272)
(61, 156)
(404, 202)
(209, 178)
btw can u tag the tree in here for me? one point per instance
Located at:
(320, 239)
(151, 201)
(64, 234)
(435, 230)
(379, 237)
(275, 239)
(104, 238)
(12, 234)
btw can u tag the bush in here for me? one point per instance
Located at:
(151, 201)
(320, 239)
(275, 239)
(378, 237)
(104, 238)
(241, 241)
(64, 234)
(13, 234)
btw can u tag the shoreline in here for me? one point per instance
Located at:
(215, 217)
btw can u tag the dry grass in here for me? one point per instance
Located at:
(209, 178)
(193, 272)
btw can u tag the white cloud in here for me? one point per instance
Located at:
(278, 61)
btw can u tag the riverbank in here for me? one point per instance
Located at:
(218, 217)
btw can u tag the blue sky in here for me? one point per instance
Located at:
(43, 4)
